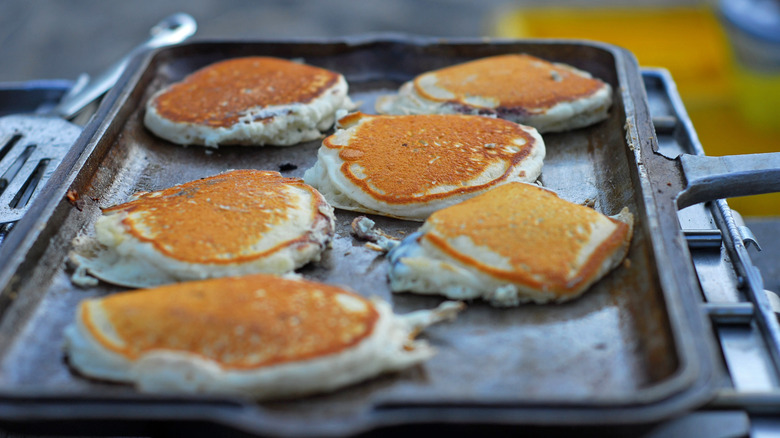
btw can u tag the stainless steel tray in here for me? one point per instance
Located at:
(633, 350)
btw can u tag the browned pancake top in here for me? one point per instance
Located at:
(402, 158)
(241, 322)
(216, 219)
(533, 229)
(514, 81)
(219, 94)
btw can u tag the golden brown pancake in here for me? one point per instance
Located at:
(515, 243)
(530, 92)
(410, 166)
(215, 219)
(258, 335)
(216, 95)
(518, 87)
(239, 323)
(242, 221)
(231, 101)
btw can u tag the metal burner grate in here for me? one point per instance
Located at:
(739, 308)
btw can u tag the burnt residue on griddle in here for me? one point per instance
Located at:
(287, 167)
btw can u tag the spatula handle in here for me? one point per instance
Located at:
(171, 30)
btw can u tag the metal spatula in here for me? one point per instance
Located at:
(31, 146)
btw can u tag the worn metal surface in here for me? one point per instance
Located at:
(629, 351)
(30, 150)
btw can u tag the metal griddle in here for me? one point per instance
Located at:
(634, 350)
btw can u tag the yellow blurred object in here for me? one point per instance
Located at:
(758, 99)
(688, 41)
(725, 103)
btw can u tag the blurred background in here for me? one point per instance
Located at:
(723, 54)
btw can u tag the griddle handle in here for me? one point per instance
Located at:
(171, 30)
(710, 178)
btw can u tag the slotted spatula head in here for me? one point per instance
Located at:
(31, 146)
(30, 149)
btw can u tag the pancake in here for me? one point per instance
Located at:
(521, 88)
(250, 101)
(234, 223)
(410, 166)
(260, 336)
(514, 244)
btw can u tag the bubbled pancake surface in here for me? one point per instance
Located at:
(239, 322)
(223, 218)
(219, 94)
(417, 158)
(507, 81)
(535, 238)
